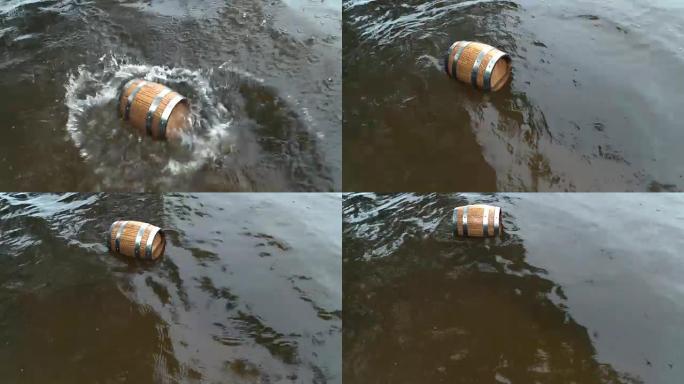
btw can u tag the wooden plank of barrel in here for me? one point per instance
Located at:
(481, 65)
(478, 221)
(136, 239)
(153, 109)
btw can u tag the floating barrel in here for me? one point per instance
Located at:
(481, 65)
(153, 109)
(478, 221)
(136, 239)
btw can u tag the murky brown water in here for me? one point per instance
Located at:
(582, 288)
(263, 78)
(249, 290)
(593, 105)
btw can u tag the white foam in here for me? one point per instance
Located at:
(92, 121)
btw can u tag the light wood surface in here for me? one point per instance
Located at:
(178, 120)
(500, 73)
(128, 235)
(476, 221)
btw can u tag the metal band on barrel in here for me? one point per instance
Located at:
(131, 97)
(167, 113)
(153, 107)
(485, 222)
(487, 80)
(465, 221)
(117, 241)
(109, 236)
(150, 240)
(497, 217)
(138, 239)
(123, 89)
(476, 65)
(457, 56)
(447, 56)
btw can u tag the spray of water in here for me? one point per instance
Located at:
(104, 140)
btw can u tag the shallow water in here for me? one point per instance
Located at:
(249, 290)
(593, 103)
(263, 79)
(582, 288)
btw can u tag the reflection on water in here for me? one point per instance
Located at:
(248, 291)
(582, 288)
(263, 80)
(573, 118)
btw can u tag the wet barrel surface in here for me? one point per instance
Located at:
(248, 290)
(263, 78)
(593, 104)
(582, 288)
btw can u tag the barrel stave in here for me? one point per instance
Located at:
(144, 99)
(123, 99)
(481, 72)
(129, 234)
(475, 221)
(141, 104)
(472, 53)
(156, 117)
(455, 49)
(466, 61)
(179, 118)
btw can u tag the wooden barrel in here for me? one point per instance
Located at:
(153, 109)
(478, 221)
(481, 65)
(136, 239)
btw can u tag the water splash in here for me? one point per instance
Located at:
(95, 128)
(243, 135)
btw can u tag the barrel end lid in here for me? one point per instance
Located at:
(162, 236)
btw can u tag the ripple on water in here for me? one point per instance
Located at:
(243, 136)
(540, 303)
(211, 309)
(570, 68)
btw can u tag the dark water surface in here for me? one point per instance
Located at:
(263, 78)
(249, 290)
(582, 288)
(594, 101)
